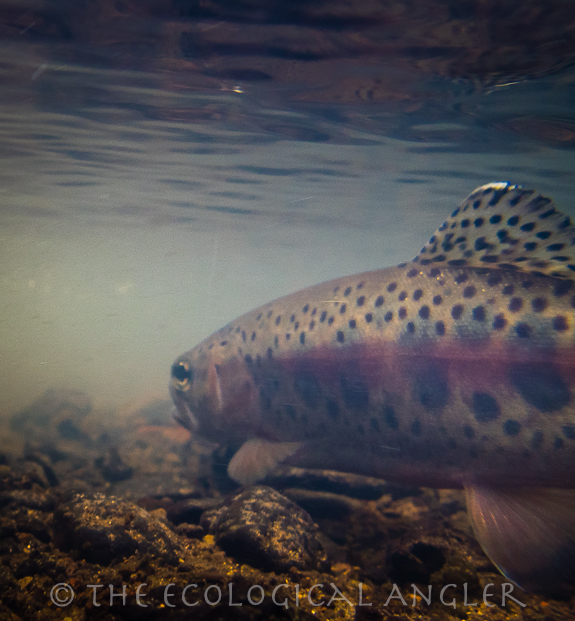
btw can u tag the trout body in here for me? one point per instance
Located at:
(454, 370)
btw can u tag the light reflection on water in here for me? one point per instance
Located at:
(139, 212)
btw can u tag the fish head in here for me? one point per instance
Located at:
(214, 395)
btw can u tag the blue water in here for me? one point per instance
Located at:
(150, 194)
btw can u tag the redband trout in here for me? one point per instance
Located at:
(454, 370)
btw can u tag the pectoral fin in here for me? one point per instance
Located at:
(528, 533)
(256, 458)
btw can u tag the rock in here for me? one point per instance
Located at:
(352, 485)
(324, 505)
(264, 529)
(101, 529)
(190, 510)
(59, 409)
(112, 467)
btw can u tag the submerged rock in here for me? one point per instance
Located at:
(101, 529)
(261, 527)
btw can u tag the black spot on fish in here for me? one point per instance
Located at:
(562, 288)
(496, 219)
(392, 287)
(527, 227)
(389, 417)
(417, 294)
(402, 313)
(292, 318)
(457, 311)
(478, 222)
(296, 325)
(243, 336)
(288, 336)
(537, 439)
(223, 343)
(465, 223)
(248, 359)
(481, 244)
(515, 305)
(330, 321)
(361, 300)
(369, 317)
(307, 386)
(530, 246)
(478, 313)
(374, 424)
(461, 277)
(543, 234)
(343, 308)
(270, 353)
(379, 301)
(347, 291)
(485, 407)
(276, 340)
(499, 322)
(424, 312)
(355, 392)
(416, 428)
(402, 296)
(412, 273)
(539, 305)
(305, 308)
(388, 316)
(569, 432)
(437, 299)
(513, 220)
(508, 290)
(332, 408)
(312, 324)
(302, 338)
(558, 443)
(560, 323)
(340, 336)
(323, 316)
(410, 327)
(468, 432)
(523, 330)
(511, 427)
(431, 386)
(555, 247)
(440, 328)
(352, 323)
(541, 385)
(469, 292)
(360, 284)
(278, 319)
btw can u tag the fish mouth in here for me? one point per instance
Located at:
(182, 414)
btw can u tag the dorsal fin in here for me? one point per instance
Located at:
(503, 225)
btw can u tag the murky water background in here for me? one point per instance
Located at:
(164, 170)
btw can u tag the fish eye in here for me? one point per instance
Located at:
(182, 374)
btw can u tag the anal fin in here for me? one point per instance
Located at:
(256, 458)
(528, 533)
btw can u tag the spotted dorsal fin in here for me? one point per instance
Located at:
(503, 225)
